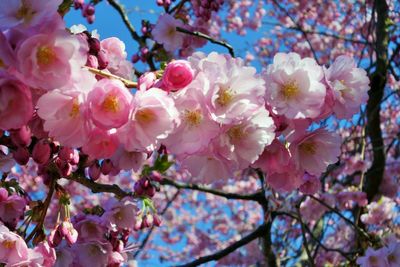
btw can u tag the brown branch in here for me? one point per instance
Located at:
(255, 196)
(231, 248)
(127, 83)
(209, 38)
(374, 175)
(305, 242)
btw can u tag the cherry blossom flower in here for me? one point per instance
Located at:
(165, 32)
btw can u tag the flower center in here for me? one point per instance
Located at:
(308, 148)
(110, 104)
(391, 258)
(225, 97)
(236, 133)
(75, 109)
(193, 118)
(145, 116)
(25, 12)
(45, 55)
(8, 244)
(289, 90)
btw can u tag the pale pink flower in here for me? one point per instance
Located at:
(94, 254)
(314, 151)
(286, 180)
(154, 116)
(274, 158)
(109, 104)
(16, 106)
(13, 248)
(379, 212)
(349, 84)
(26, 13)
(48, 253)
(90, 229)
(101, 144)
(121, 214)
(294, 86)
(128, 160)
(50, 61)
(165, 32)
(393, 253)
(243, 142)
(235, 92)
(65, 116)
(374, 258)
(196, 128)
(146, 81)
(116, 54)
(12, 209)
(177, 75)
(311, 184)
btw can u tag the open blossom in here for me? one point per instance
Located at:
(196, 128)
(65, 116)
(93, 253)
(379, 212)
(109, 104)
(235, 92)
(294, 86)
(165, 32)
(48, 254)
(128, 160)
(50, 61)
(121, 214)
(114, 49)
(16, 106)
(349, 84)
(154, 116)
(26, 13)
(101, 144)
(373, 258)
(13, 248)
(314, 151)
(177, 75)
(11, 210)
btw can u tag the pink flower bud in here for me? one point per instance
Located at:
(21, 155)
(78, 4)
(156, 176)
(55, 238)
(66, 153)
(156, 220)
(138, 224)
(22, 136)
(94, 171)
(90, 19)
(3, 194)
(94, 46)
(41, 152)
(64, 168)
(177, 75)
(102, 58)
(106, 166)
(75, 158)
(88, 10)
(150, 191)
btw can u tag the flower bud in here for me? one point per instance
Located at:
(156, 220)
(94, 46)
(102, 58)
(94, 171)
(21, 155)
(177, 75)
(3, 194)
(41, 152)
(55, 238)
(106, 166)
(66, 153)
(22, 136)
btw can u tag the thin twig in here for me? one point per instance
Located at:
(209, 38)
(127, 83)
(222, 253)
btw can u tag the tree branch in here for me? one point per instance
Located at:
(209, 38)
(127, 83)
(224, 252)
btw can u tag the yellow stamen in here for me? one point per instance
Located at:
(110, 104)
(290, 90)
(75, 109)
(236, 133)
(8, 244)
(225, 97)
(194, 117)
(308, 148)
(25, 12)
(145, 116)
(45, 55)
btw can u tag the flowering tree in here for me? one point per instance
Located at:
(180, 157)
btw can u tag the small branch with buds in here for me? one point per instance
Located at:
(209, 38)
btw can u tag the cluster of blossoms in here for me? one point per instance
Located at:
(66, 104)
(387, 256)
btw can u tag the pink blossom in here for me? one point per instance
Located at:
(90, 229)
(235, 91)
(116, 54)
(314, 151)
(11, 210)
(94, 254)
(26, 13)
(128, 160)
(393, 253)
(154, 116)
(373, 258)
(177, 75)
(50, 61)
(165, 32)
(41, 152)
(379, 212)
(311, 184)
(294, 86)
(349, 84)
(196, 128)
(13, 249)
(286, 180)
(274, 158)
(15, 104)
(48, 253)
(121, 214)
(109, 104)
(146, 81)
(101, 144)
